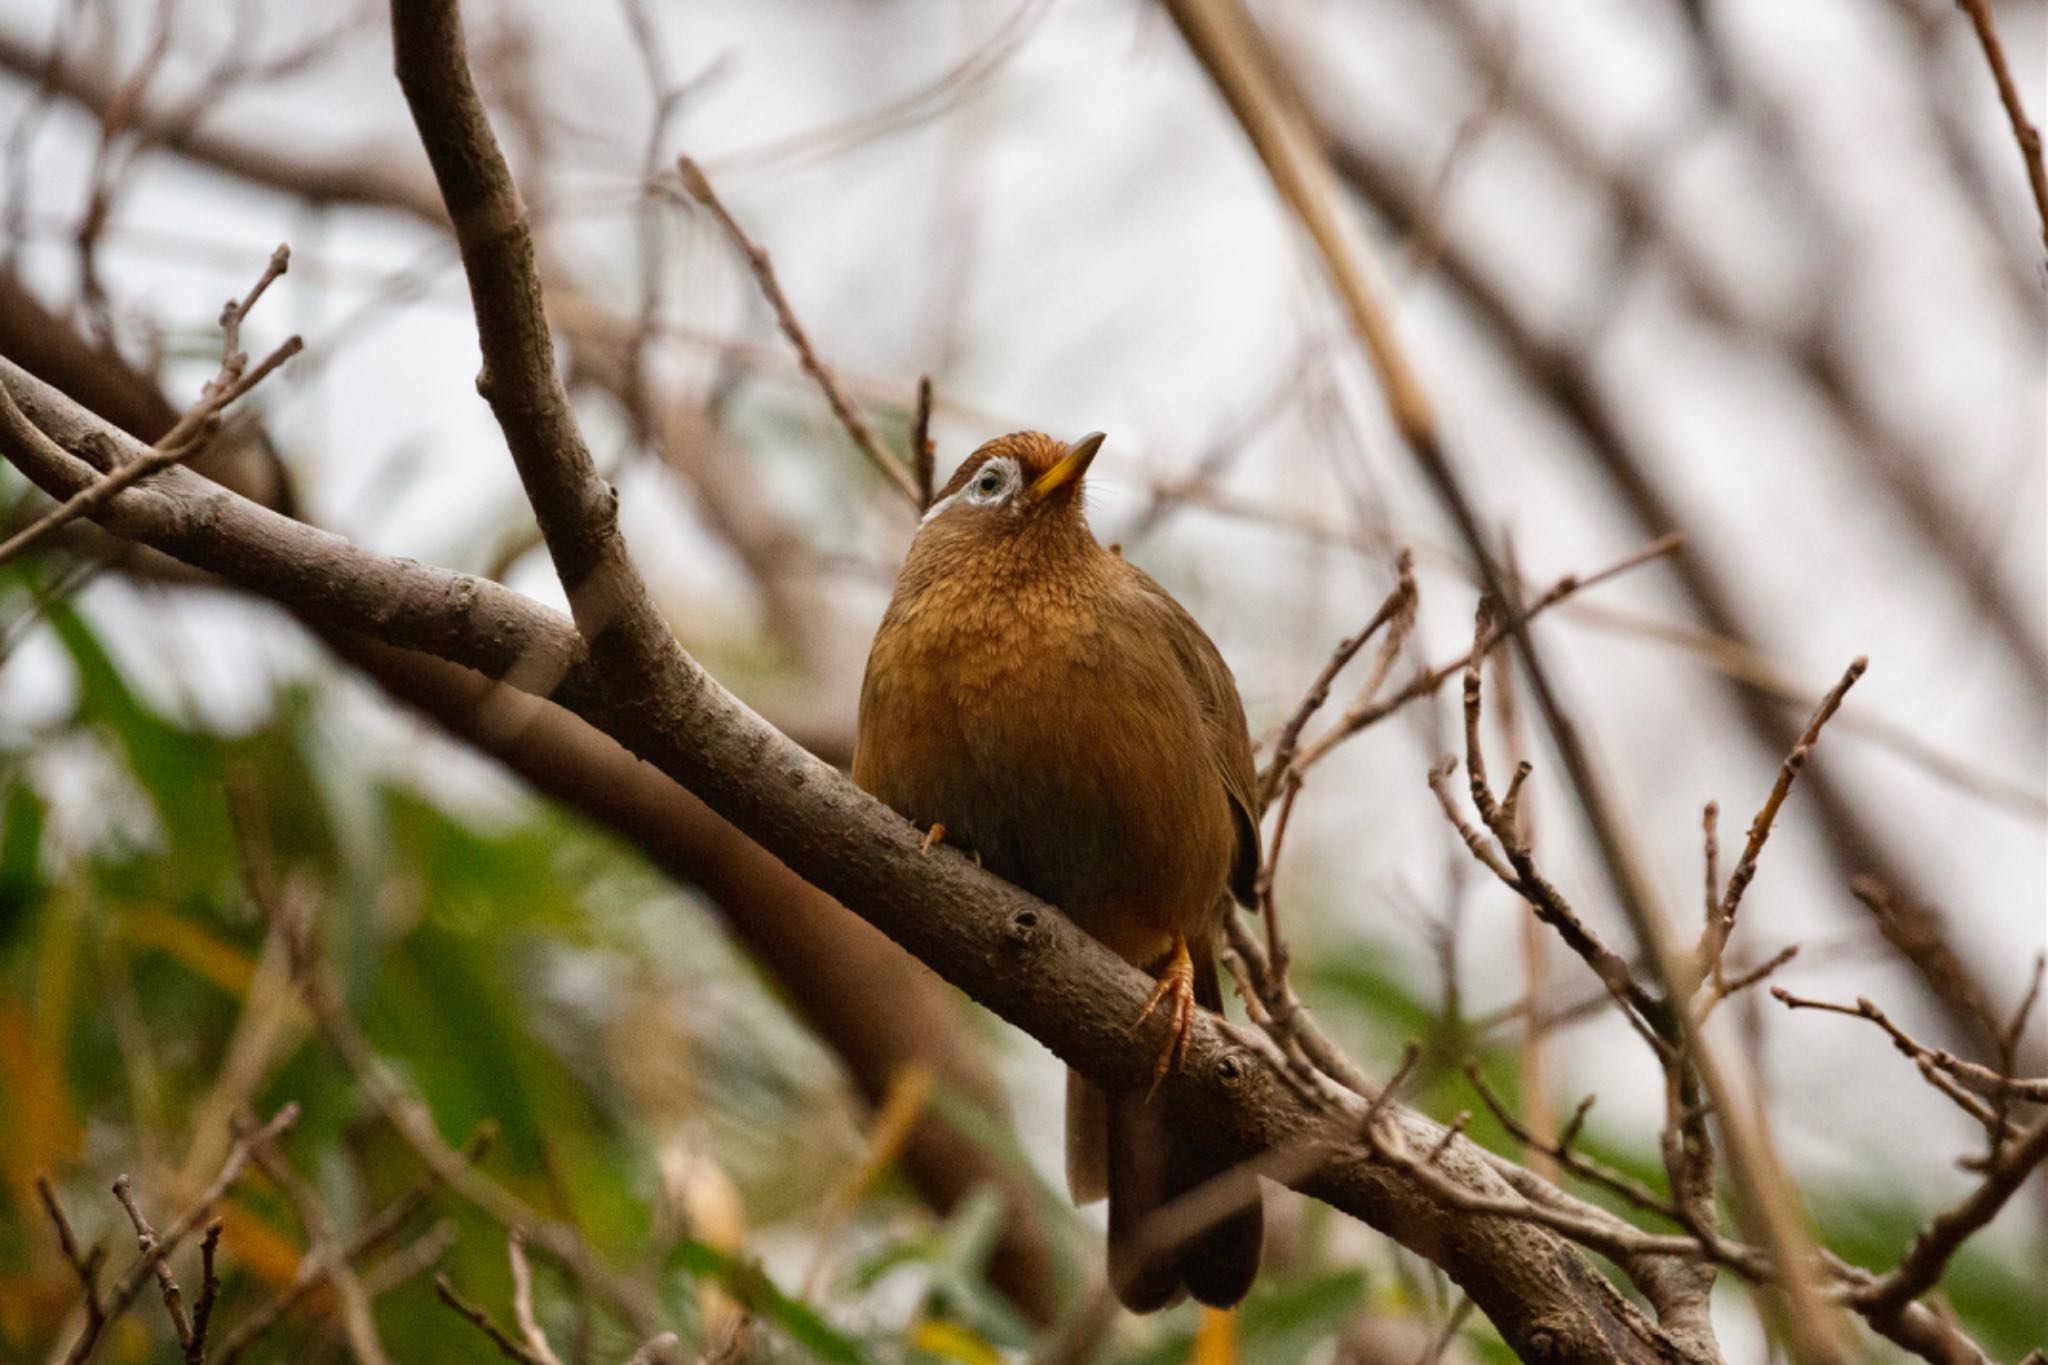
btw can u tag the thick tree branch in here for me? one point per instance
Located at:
(577, 511)
(472, 621)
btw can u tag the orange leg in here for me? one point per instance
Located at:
(935, 835)
(1176, 989)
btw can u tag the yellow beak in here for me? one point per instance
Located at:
(1071, 467)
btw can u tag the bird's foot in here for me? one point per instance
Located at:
(935, 835)
(1176, 990)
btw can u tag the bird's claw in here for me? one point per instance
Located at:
(1176, 990)
(935, 835)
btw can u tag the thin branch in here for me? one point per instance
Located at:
(1366, 712)
(1397, 613)
(86, 1265)
(161, 1244)
(522, 1301)
(422, 1254)
(471, 621)
(1922, 1266)
(1724, 986)
(91, 498)
(1760, 828)
(314, 1269)
(1980, 1079)
(1514, 863)
(2024, 133)
(1398, 609)
(189, 436)
(1626, 1187)
(923, 453)
(698, 186)
(357, 1321)
(507, 1346)
(209, 1294)
(152, 1250)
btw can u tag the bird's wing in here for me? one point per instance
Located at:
(1230, 742)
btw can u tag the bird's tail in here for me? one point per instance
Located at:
(1134, 1150)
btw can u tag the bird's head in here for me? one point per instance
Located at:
(1013, 484)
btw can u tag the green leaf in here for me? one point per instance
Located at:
(21, 848)
(178, 769)
(1286, 1322)
(744, 1279)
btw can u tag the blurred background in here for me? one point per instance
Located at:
(1765, 275)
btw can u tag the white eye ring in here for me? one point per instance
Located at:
(992, 482)
(992, 485)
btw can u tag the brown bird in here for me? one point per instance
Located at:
(1036, 700)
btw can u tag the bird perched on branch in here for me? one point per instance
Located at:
(1034, 699)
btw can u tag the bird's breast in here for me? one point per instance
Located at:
(1069, 756)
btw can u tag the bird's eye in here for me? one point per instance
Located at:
(989, 483)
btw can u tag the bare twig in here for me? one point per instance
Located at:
(1398, 609)
(152, 1250)
(315, 1268)
(522, 1301)
(190, 434)
(423, 1253)
(357, 1321)
(1760, 828)
(1513, 862)
(923, 453)
(1561, 1151)
(1397, 613)
(1288, 1020)
(1979, 1079)
(2024, 133)
(698, 186)
(1367, 712)
(86, 1265)
(209, 1294)
(1710, 830)
(507, 1346)
(1724, 986)
(1922, 1266)
(157, 1245)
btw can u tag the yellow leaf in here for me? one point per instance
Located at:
(951, 1341)
(257, 1247)
(225, 965)
(38, 1131)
